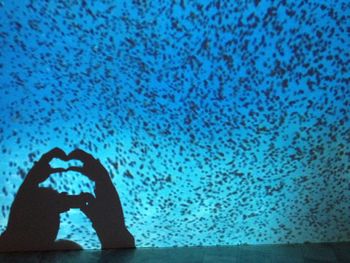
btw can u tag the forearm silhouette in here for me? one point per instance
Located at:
(104, 210)
(35, 213)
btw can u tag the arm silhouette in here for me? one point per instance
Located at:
(35, 212)
(34, 215)
(104, 210)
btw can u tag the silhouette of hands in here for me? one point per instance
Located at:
(34, 219)
(35, 213)
(104, 210)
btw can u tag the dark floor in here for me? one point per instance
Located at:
(308, 253)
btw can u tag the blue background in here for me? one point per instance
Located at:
(221, 122)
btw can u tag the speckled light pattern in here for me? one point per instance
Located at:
(221, 122)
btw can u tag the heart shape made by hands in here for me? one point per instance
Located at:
(65, 163)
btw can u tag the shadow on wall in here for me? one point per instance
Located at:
(35, 213)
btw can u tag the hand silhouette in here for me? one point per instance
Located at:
(35, 213)
(104, 210)
(34, 216)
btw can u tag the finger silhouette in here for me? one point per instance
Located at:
(81, 155)
(42, 169)
(54, 153)
(75, 201)
(92, 167)
(89, 202)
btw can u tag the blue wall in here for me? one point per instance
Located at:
(221, 122)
